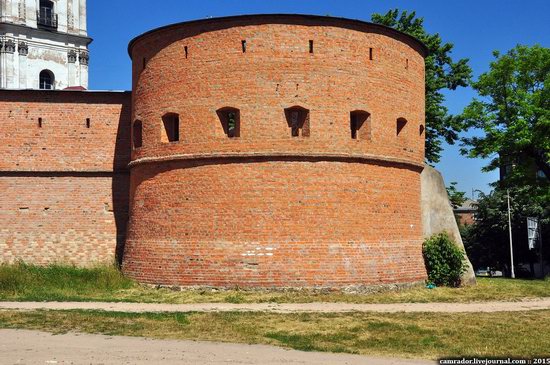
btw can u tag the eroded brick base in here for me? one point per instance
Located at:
(274, 224)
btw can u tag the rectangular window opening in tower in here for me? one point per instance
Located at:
(360, 125)
(171, 128)
(298, 121)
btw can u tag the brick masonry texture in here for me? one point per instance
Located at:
(64, 185)
(266, 209)
(63, 142)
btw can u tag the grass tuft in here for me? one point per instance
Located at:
(59, 282)
(235, 298)
(297, 342)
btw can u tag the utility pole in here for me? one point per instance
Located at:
(510, 230)
(540, 252)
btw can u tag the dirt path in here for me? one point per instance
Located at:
(32, 347)
(525, 305)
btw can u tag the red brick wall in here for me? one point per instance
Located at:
(465, 218)
(64, 143)
(274, 223)
(267, 209)
(64, 186)
(277, 72)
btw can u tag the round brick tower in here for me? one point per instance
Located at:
(276, 151)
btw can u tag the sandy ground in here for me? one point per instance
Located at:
(525, 305)
(33, 347)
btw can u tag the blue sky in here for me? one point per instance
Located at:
(475, 27)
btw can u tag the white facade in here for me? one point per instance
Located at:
(42, 35)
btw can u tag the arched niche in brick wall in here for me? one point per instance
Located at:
(401, 127)
(297, 118)
(170, 131)
(230, 120)
(137, 134)
(360, 125)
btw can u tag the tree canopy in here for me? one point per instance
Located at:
(456, 197)
(487, 242)
(441, 73)
(513, 110)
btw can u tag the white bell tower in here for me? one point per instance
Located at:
(43, 44)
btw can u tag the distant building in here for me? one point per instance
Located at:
(43, 44)
(465, 214)
(526, 163)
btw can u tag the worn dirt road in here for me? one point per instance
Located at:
(33, 347)
(525, 305)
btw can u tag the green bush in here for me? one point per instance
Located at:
(444, 260)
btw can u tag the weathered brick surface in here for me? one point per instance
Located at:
(64, 143)
(277, 72)
(65, 219)
(267, 209)
(64, 186)
(274, 223)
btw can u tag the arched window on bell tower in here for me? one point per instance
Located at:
(47, 80)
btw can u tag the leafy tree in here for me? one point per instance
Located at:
(513, 113)
(457, 198)
(441, 73)
(487, 241)
(513, 110)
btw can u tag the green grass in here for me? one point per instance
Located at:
(23, 282)
(416, 335)
(59, 282)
